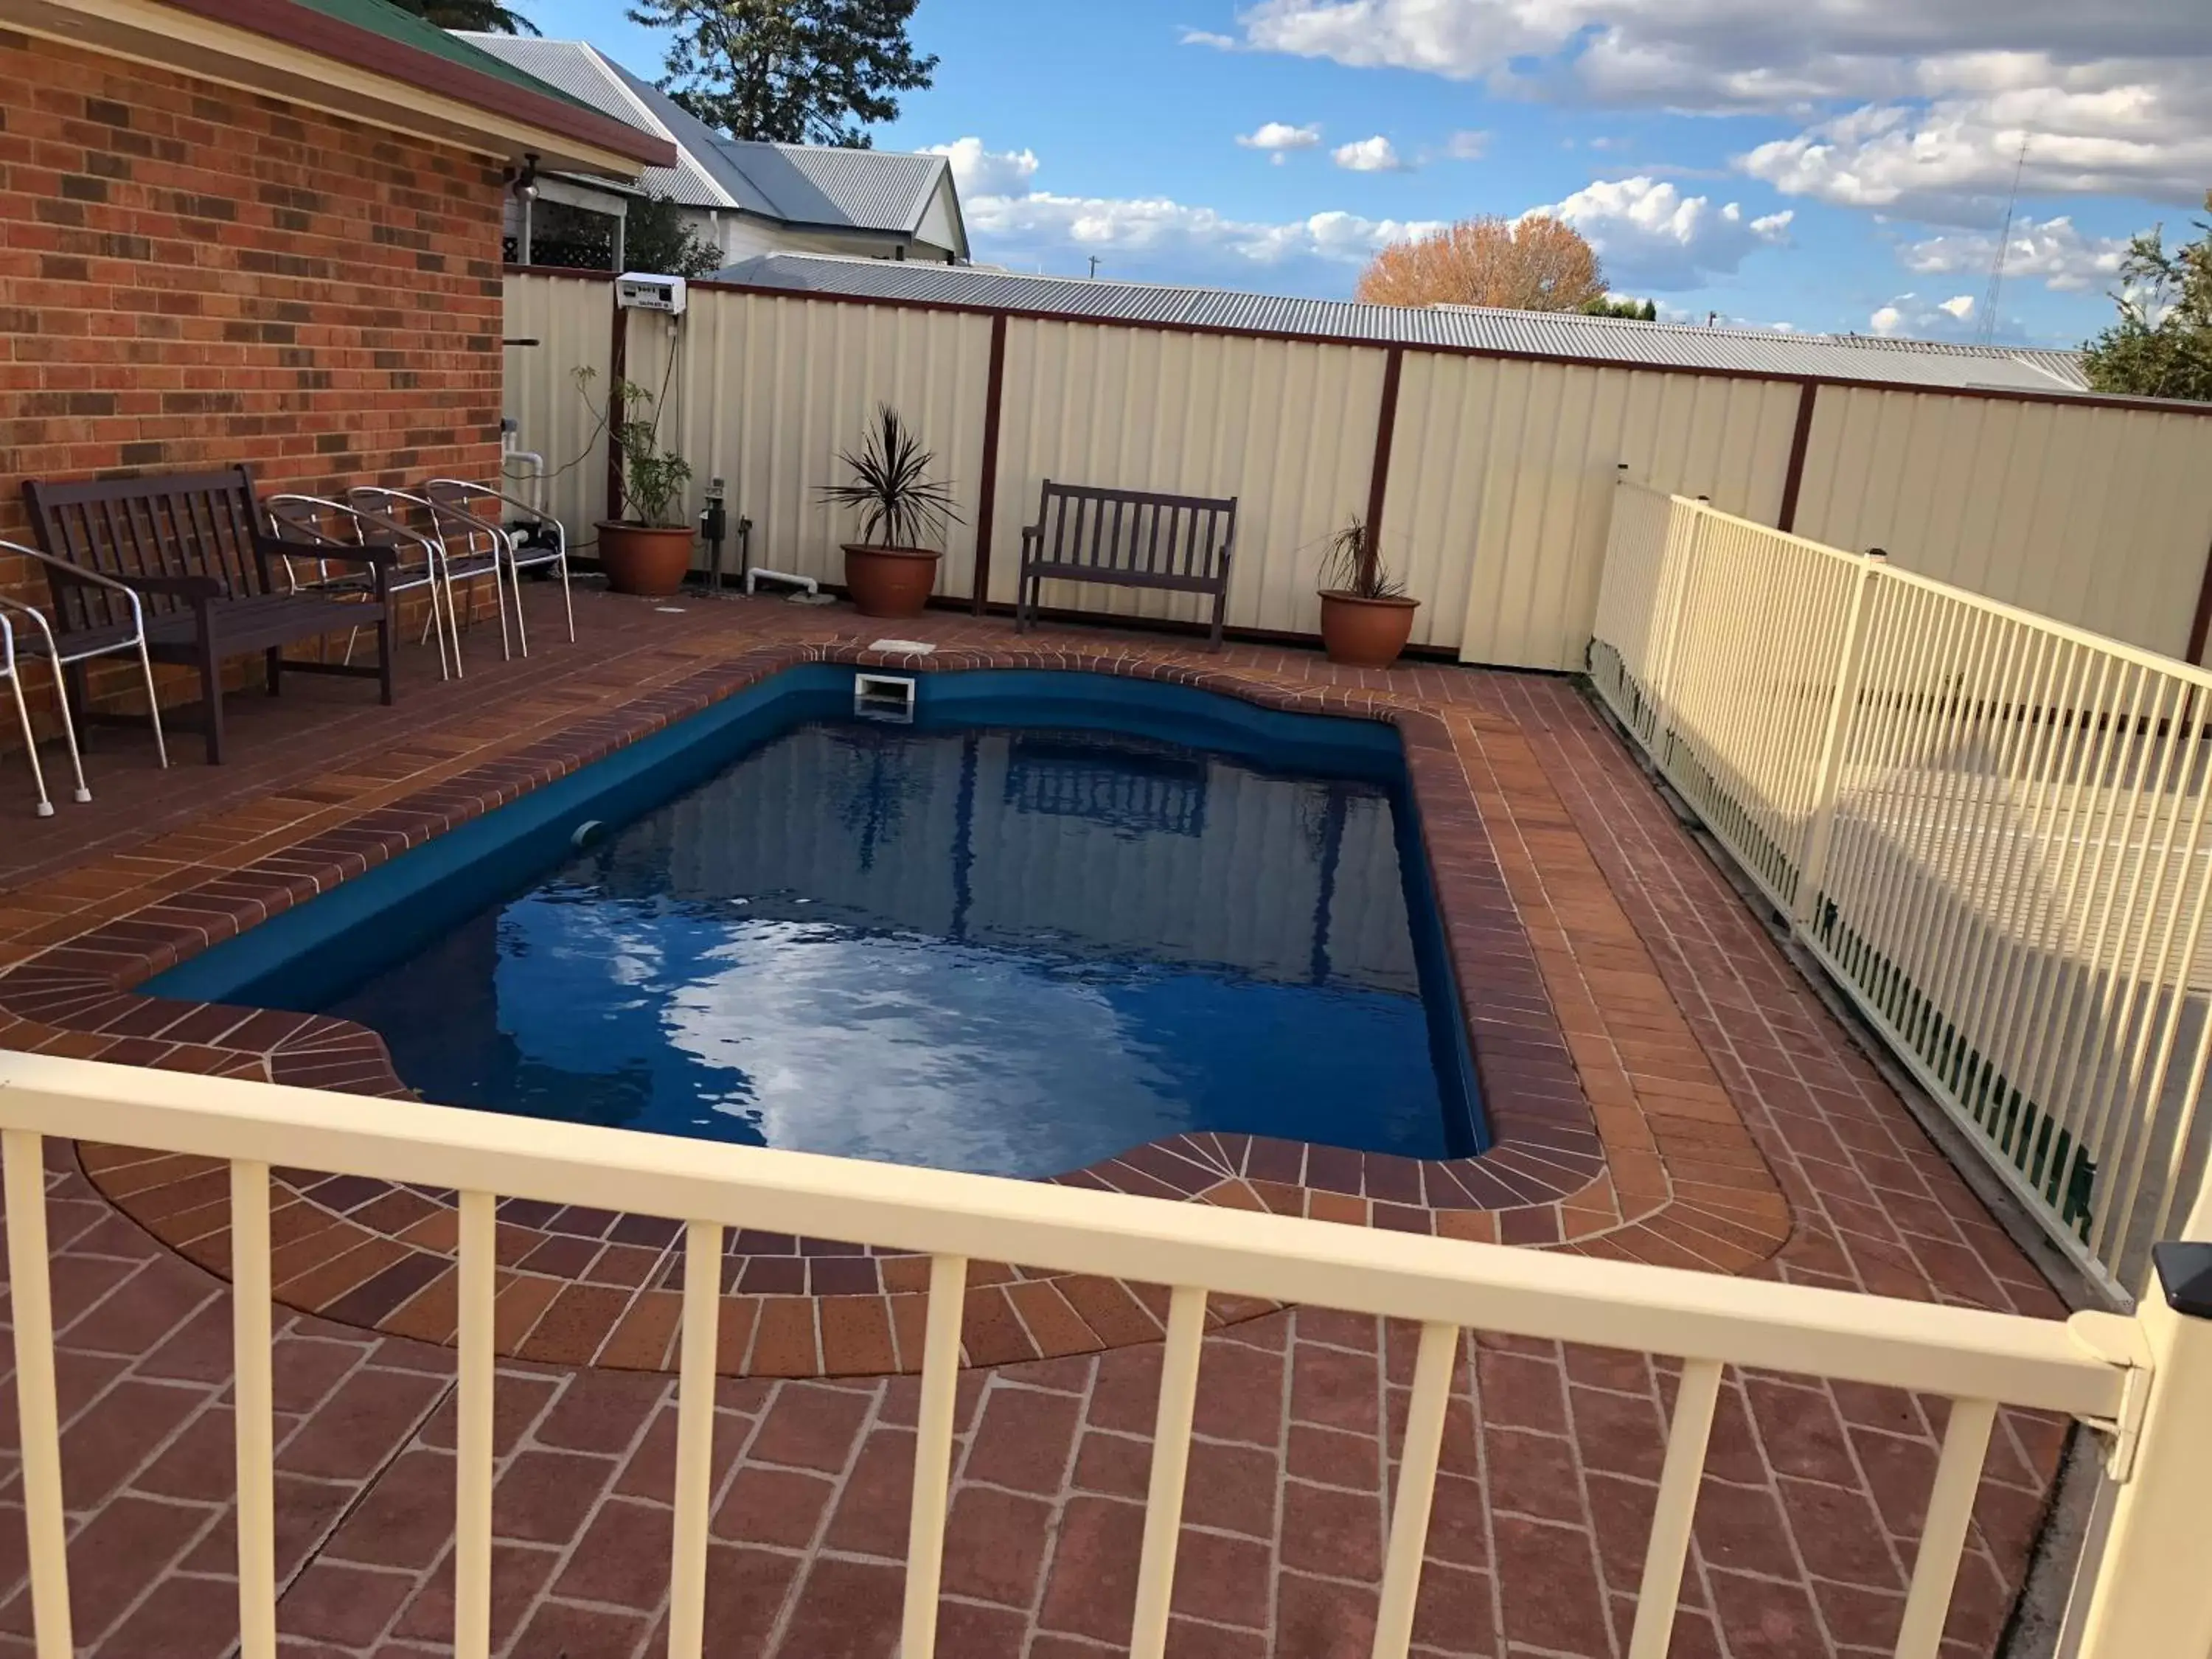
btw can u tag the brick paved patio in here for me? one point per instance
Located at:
(1706, 1069)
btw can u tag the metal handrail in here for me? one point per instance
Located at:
(2098, 1367)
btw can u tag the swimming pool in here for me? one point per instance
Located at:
(1054, 917)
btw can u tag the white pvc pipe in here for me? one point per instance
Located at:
(754, 573)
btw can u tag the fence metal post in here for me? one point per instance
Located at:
(1662, 661)
(2150, 1598)
(1820, 822)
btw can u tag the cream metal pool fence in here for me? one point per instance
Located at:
(1989, 827)
(2144, 1380)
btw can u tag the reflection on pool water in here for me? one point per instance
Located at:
(1009, 951)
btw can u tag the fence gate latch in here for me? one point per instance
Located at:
(2116, 1339)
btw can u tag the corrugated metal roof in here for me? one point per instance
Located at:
(381, 17)
(579, 70)
(1523, 333)
(812, 184)
(2067, 366)
(799, 184)
(699, 143)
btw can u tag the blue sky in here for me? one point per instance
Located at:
(1823, 164)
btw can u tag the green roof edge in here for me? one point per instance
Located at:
(404, 28)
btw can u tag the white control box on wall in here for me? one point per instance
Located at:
(642, 291)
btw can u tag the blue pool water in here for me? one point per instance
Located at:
(1003, 938)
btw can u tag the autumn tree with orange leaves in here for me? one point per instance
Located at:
(1535, 263)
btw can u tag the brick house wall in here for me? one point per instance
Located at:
(193, 275)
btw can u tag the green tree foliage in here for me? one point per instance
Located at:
(568, 236)
(2160, 345)
(792, 71)
(485, 16)
(1636, 311)
(658, 239)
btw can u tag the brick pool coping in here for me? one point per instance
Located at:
(1611, 1134)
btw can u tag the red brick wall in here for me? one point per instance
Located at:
(194, 275)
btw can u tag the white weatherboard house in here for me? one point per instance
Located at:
(751, 198)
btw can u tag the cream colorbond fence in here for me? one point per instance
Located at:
(553, 329)
(1495, 482)
(2039, 505)
(1286, 427)
(763, 392)
(1989, 827)
(2145, 1381)
(1501, 482)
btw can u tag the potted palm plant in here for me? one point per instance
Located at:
(649, 552)
(1365, 616)
(886, 572)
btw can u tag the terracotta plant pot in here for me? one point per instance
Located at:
(1366, 633)
(644, 559)
(890, 582)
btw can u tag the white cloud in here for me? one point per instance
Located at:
(2117, 132)
(1457, 39)
(2054, 251)
(1003, 208)
(1280, 137)
(1467, 146)
(1726, 53)
(1652, 235)
(1208, 38)
(1374, 154)
(1670, 313)
(1909, 107)
(1093, 224)
(980, 172)
(1909, 316)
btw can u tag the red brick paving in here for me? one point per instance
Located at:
(1610, 1132)
(1812, 1494)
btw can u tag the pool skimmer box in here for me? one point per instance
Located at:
(883, 697)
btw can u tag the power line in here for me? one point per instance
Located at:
(1987, 333)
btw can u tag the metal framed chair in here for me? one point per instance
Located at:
(417, 516)
(312, 521)
(11, 670)
(27, 635)
(474, 511)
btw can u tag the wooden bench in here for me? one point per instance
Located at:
(192, 552)
(1128, 538)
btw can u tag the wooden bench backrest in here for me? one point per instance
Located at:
(1137, 539)
(178, 524)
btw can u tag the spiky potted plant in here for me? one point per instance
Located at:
(1365, 616)
(887, 572)
(649, 551)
